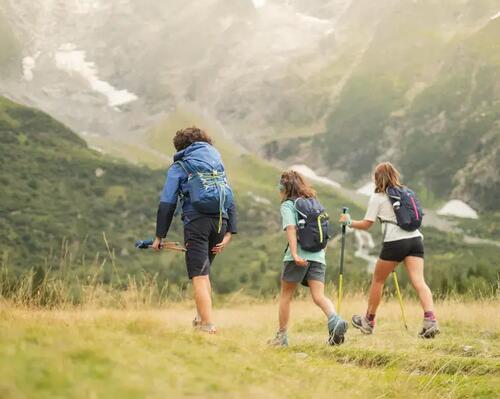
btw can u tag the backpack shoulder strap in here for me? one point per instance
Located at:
(295, 201)
(183, 165)
(392, 197)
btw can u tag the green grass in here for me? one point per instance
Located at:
(99, 353)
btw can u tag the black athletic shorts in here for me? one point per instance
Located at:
(200, 236)
(400, 249)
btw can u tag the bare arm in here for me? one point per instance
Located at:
(356, 224)
(361, 224)
(291, 235)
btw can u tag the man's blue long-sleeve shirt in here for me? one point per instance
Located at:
(175, 187)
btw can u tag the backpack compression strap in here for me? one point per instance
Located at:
(211, 179)
(382, 221)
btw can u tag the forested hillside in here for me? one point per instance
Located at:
(443, 131)
(67, 206)
(335, 84)
(69, 210)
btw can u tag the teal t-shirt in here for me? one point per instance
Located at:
(290, 217)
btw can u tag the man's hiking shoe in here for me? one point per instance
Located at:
(429, 329)
(206, 328)
(280, 339)
(337, 328)
(362, 324)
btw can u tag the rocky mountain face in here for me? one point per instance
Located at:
(115, 67)
(432, 107)
(338, 84)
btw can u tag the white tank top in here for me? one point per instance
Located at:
(380, 206)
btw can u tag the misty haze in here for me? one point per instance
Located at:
(92, 95)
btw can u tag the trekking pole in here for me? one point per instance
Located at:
(341, 271)
(395, 277)
(170, 245)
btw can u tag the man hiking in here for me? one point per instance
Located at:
(197, 178)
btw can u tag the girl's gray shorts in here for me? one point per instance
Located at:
(300, 274)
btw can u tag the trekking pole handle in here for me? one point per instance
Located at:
(345, 210)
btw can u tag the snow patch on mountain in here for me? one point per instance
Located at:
(259, 3)
(71, 60)
(86, 6)
(29, 63)
(458, 209)
(308, 20)
(311, 174)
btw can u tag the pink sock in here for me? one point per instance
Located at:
(371, 318)
(429, 315)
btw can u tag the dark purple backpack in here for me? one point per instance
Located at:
(409, 212)
(313, 230)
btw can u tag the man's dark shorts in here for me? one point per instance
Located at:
(398, 250)
(301, 274)
(200, 236)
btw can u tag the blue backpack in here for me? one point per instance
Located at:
(313, 227)
(409, 212)
(209, 191)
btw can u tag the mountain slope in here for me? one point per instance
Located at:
(348, 77)
(59, 197)
(55, 189)
(424, 95)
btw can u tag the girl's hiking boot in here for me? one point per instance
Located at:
(337, 328)
(363, 324)
(280, 339)
(429, 329)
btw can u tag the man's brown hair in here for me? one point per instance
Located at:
(294, 185)
(185, 137)
(385, 175)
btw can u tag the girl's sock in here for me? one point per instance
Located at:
(371, 318)
(429, 315)
(332, 316)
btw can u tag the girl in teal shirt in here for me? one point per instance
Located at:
(300, 266)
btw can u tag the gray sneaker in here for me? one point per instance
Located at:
(430, 329)
(206, 328)
(280, 339)
(337, 327)
(362, 324)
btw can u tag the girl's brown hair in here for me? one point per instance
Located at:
(294, 185)
(384, 176)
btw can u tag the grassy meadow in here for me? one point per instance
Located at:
(151, 352)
